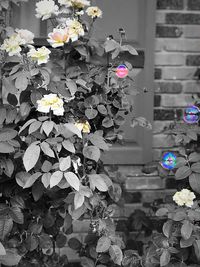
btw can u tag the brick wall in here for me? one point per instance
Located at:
(177, 57)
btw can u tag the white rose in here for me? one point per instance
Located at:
(51, 102)
(26, 35)
(12, 45)
(75, 29)
(184, 197)
(45, 9)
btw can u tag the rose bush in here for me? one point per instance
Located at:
(57, 115)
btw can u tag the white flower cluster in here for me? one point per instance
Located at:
(51, 102)
(184, 197)
(12, 45)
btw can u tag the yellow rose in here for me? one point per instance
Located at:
(41, 55)
(83, 126)
(75, 29)
(184, 197)
(94, 12)
(58, 37)
(51, 102)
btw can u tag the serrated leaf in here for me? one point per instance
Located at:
(78, 200)
(17, 215)
(73, 180)
(167, 227)
(194, 157)
(183, 172)
(165, 258)
(107, 122)
(103, 244)
(92, 152)
(102, 109)
(187, 243)
(6, 224)
(86, 262)
(31, 157)
(55, 179)
(69, 146)
(12, 258)
(116, 254)
(25, 109)
(31, 242)
(71, 86)
(162, 212)
(21, 82)
(130, 49)
(96, 181)
(65, 163)
(91, 113)
(47, 149)
(22, 177)
(110, 45)
(47, 127)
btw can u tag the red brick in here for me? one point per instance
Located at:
(143, 182)
(169, 59)
(191, 31)
(168, 87)
(170, 4)
(182, 18)
(174, 101)
(193, 60)
(193, 4)
(182, 45)
(191, 87)
(179, 73)
(168, 31)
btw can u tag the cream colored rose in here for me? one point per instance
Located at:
(74, 3)
(75, 29)
(45, 9)
(58, 37)
(41, 55)
(12, 45)
(184, 197)
(83, 126)
(51, 102)
(94, 12)
(26, 35)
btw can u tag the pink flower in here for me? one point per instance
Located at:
(58, 37)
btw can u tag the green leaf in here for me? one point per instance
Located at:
(73, 129)
(196, 167)
(22, 177)
(161, 212)
(98, 141)
(194, 157)
(68, 145)
(31, 180)
(116, 254)
(107, 122)
(110, 45)
(2, 115)
(61, 240)
(192, 135)
(130, 49)
(74, 243)
(179, 216)
(46, 166)
(12, 258)
(37, 191)
(67, 222)
(46, 179)
(47, 127)
(17, 215)
(6, 224)
(12, 99)
(73, 180)
(91, 113)
(167, 228)
(7, 134)
(31, 157)
(194, 180)
(196, 245)
(102, 109)
(6, 148)
(45, 241)
(78, 200)
(180, 162)
(31, 242)
(92, 152)
(183, 172)
(71, 86)
(47, 149)
(96, 181)
(165, 258)
(21, 82)
(186, 229)
(82, 50)
(55, 179)
(24, 109)
(65, 163)
(103, 244)
(187, 243)
(9, 167)
(34, 127)
(86, 262)
(2, 250)
(26, 125)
